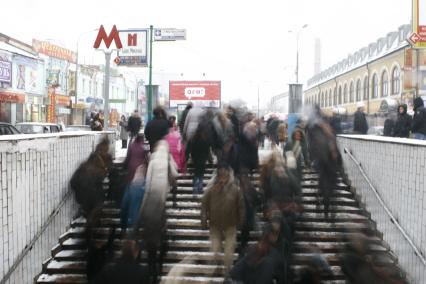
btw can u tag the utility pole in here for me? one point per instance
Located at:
(151, 29)
(258, 102)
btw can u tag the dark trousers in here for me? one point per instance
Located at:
(327, 182)
(123, 144)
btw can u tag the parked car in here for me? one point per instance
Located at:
(38, 127)
(77, 128)
(8, 129)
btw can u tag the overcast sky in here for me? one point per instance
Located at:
(243, 43)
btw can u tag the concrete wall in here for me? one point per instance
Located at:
(396, 168)
(34, 175)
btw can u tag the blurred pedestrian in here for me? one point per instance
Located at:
(160, 177)
(298, 151)
(403, 122)
(176, 146)
(336, 121)
(222, 209)
(190, 127)
(360, 121)
(200, 152)
(132, 200)
(157, 128)
(183, 117)
(96, 124)
(134, 124)
(124, 135)
(136, 156)
(419, 119)
(127, 269)
(389, 126)
(223, 138)
(263, 264)
(272, 129)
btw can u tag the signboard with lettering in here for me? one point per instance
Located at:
(201, 93)
(52, 50)
(134, 51)
(169, 34)
(5, 71)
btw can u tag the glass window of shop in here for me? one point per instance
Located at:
(5, 112)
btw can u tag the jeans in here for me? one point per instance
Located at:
(216, 237)
(419, 136)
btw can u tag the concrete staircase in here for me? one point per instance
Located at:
(188, 245)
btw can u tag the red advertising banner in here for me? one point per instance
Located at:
(201, 93)
(12, 97)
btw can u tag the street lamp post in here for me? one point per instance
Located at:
(297, 50)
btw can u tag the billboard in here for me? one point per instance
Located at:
(201, 93)
(418, 36)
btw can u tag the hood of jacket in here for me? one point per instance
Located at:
(418, 102)
(404, 106)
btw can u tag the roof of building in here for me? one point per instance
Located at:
(382, 47)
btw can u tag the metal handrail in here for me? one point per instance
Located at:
(385, 207)
(29, 246)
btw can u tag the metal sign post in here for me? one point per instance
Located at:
(151, 28)
(106, 88)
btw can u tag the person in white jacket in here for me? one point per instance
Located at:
(160, 177)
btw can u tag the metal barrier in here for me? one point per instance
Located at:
(409, 256)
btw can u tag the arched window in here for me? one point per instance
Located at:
(330, 98)
(374, 87)
(345, 94)
(385, 84)
(396, 81)
(365, 93)
(340, 96)
(351, 92)
(322, 99)
(326, 99)
(335, 96)
(358, 90)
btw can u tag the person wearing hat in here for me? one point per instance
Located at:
(360, 121)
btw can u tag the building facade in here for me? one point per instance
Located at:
(42, 83)
(380, 75)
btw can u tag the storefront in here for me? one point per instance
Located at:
(62, 109)
(11, 107)
(28, 77)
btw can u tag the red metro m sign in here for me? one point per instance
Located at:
(108, 39)
(132, 45)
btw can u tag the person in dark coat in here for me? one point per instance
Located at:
(96, 123)
(419, 119)
(272, 129)
(134, 124)
(263, 263)
(389, 127)
(183, 117)
(336, 122)
(157, 128)
(360, 121)
(127, 269)
(200, 152)
(403, 123)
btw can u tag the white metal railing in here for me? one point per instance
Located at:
(410, 257)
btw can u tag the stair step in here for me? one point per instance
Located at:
(71, 267)
(192, 279)
(62, 278)
(68, 255)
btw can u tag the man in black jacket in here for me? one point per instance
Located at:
(360, 121)
(157, 128)
(403, 123)
(419, 119)
(134, 125)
